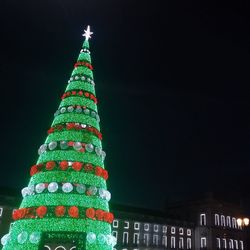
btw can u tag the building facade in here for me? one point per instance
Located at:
(199, 225)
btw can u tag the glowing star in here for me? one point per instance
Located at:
(87, 33)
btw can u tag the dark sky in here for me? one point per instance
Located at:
(172, 81)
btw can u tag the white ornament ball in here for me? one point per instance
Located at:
(70, 109)
(92, 190)
(101, 238)
(108, 195)
(86, 111)
(83, 78)
(52, 187)
(78, 109)
(89, 147)
(98, 151)
(40, 187)
(63, 144)
(52, 145)
(77, 145)
(109, 239)
(91, 237)
(81, 188)
(67, 187)
(102, 193)
(42, 149)
(35, 237)
(63, 110)
(5, 239)
(25, 192)
(22, 237)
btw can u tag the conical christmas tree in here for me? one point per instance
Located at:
(65, 205)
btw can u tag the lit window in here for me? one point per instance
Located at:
(172, 230)
(164, 229)
(181, 231)
(203, 242)
(234, 224)
(216, 220)
(1, 211)
(236, 244)
(189, 232)
(218, 245)
(146, 227)
(115, 223)
(223, 223)
(224, 243)
(136, 238)
(155, 239)
(145, 239)
(136, 225)
(164, 241)
(228, 221)
(172, 242)
(125, 238)
(203, 220)
(181, 243)
(231, 244)
(241, 245)
(189, 243)
(126, 224)
(156, 228)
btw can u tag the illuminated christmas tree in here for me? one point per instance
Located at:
(66, 200)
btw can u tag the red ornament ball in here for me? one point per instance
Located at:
(50, 165)
(60, 211)
(99, 214)
(98, 171)
(64, 165)
(105, 174)
(33, 170)
(77, 166)
(41, 211)
(73, 212)
(90, 213)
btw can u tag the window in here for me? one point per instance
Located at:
(181, 243)
(125, 238)
(1, 211)
(164, 229)
(216, 220)
(126, 224)
(115, 234)
(156, 228)
(203, 242)
(136, 238)
(189, 243)
(218, 245)
(234, 224)
(189, 233)
(115, 223)
(172, 230)
(146, 227)
(203, 220)
(164, 241)
(136, 225)
(236, 244)
(181, 231)
(223, 223)
(172, 242)
(231, 244)
(224, 245)
(155, 239)
(241, 245)
(145, 239)
(228, 221)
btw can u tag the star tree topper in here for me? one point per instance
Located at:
(87, 33)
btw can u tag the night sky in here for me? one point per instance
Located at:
(172, 82)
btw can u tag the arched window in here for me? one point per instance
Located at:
(216, 220)
(47, 247)
(189, 243)
(172, 242)
(234, 224)
(181, 243)
(164, 241)
(223, 223)
(203, 221)
(218, 245)
(60, 248)
(228, 221)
